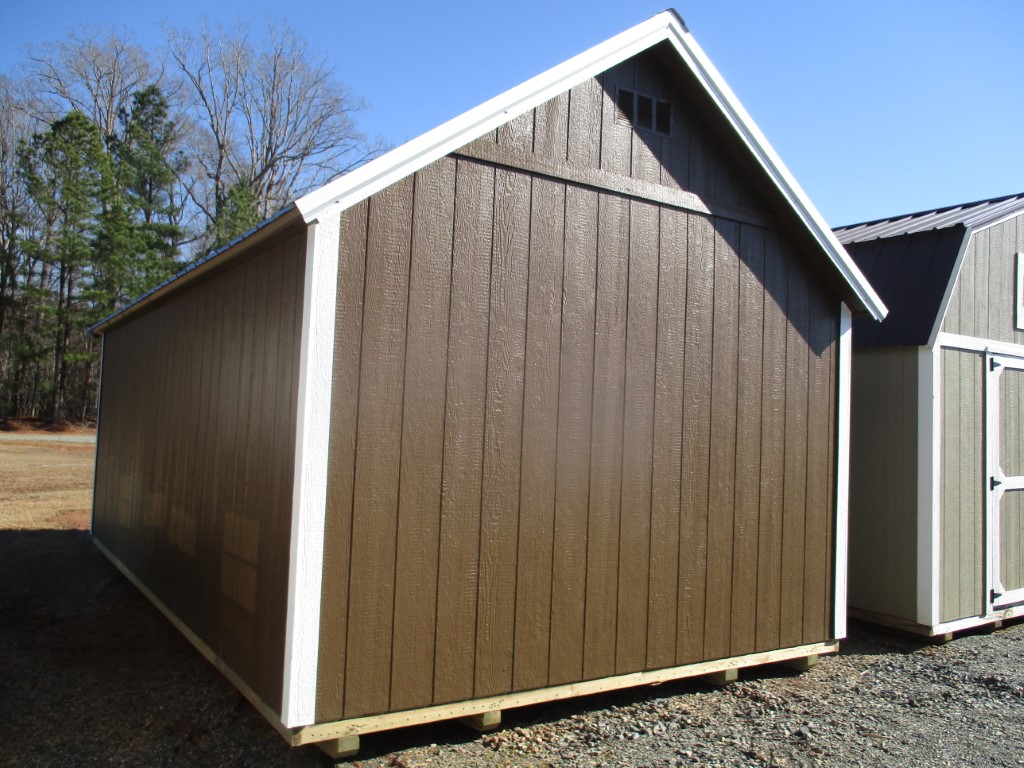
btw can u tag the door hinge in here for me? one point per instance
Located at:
(993, 364)
(993, 595)
(993, 483)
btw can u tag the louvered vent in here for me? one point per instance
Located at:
(644, 112)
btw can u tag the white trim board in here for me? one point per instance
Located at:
(975, 344)
(665, 27)
(843, 395)
(309, 496)
(950, 286)
(929, 491)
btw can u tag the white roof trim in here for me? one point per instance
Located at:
(666, 26)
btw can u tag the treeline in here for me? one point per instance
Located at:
(119, 166)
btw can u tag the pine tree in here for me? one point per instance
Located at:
(147, 164)
(66, 172)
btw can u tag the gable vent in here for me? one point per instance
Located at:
(644, 112)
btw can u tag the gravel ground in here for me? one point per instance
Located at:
(94, 676)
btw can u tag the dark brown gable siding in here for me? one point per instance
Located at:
(576, 433)
(582, 129)
(195, 458)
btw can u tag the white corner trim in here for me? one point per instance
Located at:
(843, 469)
(929, 510)
(309, 496)
(666, 26)
(950, 285)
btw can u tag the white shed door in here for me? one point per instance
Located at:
(1004, 400)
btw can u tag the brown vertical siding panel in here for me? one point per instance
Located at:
(819, 467)
(257, 466)
(274, 466)
(585, 102)
(412, 653)
(700, 286)
(722, 465)
(458, 549)
(378, 451)
(201, 365)
(237, 576)
(518, 132)
(348, 332)
(645, 163)
(606, 439)
(503, 432)
(829, 612)
(773, 448)
(795, 491)
(675, 149)
(616, 134)
(210, 537)
(551, 128)
(572, 469)
(701, 165)
(540, 437)
(743, 620)
(638, 438)
(951, 481)
(668, 450)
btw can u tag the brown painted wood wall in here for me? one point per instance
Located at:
(575, 433)
(196, 450)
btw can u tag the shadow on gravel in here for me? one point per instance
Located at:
(95, 676)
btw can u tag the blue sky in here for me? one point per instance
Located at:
(878, 107)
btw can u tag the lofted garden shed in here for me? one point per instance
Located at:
(937, 484)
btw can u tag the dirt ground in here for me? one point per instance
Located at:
(93, 676)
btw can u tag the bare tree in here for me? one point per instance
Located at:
(297, 120)
(94, 71)
(272, 116)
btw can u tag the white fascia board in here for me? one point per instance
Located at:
(309, 494)
(744, 125)
(410, 157)
(844, 394)
(448, 137)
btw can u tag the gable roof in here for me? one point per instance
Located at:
(665, 27)
(912, 261)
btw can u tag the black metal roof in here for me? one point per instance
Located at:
(910, 259)
(972, 215)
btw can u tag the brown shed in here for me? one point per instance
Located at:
(550, 400)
